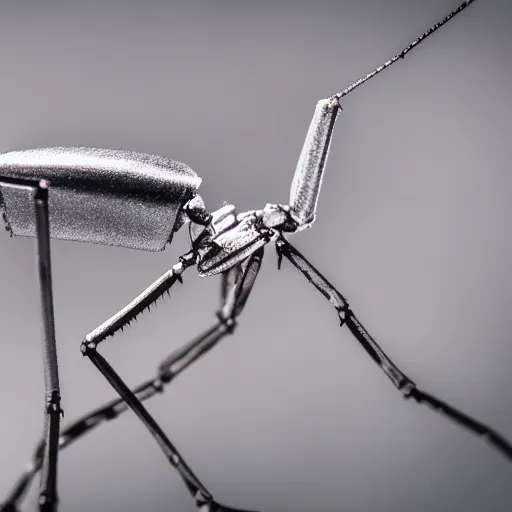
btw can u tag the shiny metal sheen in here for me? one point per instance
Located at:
(109, 197)
(307, 179)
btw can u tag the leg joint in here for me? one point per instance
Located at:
(88, 346)
(343, 312)
(53, 403)
(228, 322)
(47, 503)
(164, 377)
(408, 389)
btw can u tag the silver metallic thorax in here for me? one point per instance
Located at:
(228, 238)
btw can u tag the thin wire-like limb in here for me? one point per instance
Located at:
(73, 432)
(399, 379)
(237, 284)
(194, 485)
(48, 492)
(168, 370)
(404, 52)
(150, 295)
(50, 447)
(235, 294)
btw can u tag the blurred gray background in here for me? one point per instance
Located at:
(412, 226)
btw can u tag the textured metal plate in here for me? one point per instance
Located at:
(109, 197)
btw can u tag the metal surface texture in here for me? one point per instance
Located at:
(307, 180)
(109, 197)
(304, 401)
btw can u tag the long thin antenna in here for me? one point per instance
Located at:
(403, 53)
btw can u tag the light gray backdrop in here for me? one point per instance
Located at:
(413, 226)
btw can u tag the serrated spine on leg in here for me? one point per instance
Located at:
(141, 303)
(307, 180)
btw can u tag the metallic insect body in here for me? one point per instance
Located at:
(139, 201)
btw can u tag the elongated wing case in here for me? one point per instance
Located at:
(109, 197)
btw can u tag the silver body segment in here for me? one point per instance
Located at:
(109, 197)
(307, 180)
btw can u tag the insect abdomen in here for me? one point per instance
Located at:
(109, 197)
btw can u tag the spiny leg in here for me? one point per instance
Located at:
(240, 281)
(168, 370)
(50, 447)
(119, 321)
(397, 377)
(237, 284)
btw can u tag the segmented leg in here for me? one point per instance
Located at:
(50, 447)
(70, 434)
(397, 377)
(238, 282)
(168, 370)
